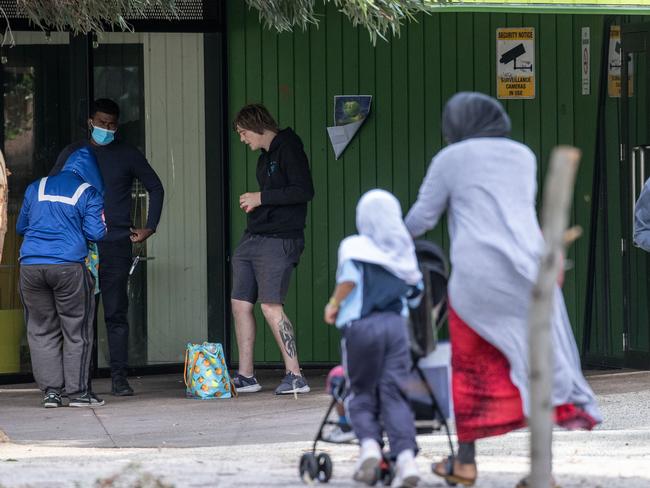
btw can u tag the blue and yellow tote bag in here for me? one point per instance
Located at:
(206, 374)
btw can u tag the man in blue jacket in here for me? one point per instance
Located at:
(60, 214)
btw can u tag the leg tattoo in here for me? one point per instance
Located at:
(287, 336)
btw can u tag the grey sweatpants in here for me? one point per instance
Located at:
(59, 310)
(377, 362)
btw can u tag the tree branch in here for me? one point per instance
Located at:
(379, 17)
(84, 16)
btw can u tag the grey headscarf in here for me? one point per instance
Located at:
(472, 114)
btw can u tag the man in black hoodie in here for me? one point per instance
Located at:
(271, 245)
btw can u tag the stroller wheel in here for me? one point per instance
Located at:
(324, 467)
(308, 467)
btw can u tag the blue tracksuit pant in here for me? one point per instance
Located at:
(377, 362)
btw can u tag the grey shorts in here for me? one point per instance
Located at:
(262, 267)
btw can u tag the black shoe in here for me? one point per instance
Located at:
(88, 399)
(246, 384)
(51, 399)
(121, 387)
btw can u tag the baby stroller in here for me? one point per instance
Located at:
(425, 320)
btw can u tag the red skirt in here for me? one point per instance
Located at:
(486, 402)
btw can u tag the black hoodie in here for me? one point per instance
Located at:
(286, 187)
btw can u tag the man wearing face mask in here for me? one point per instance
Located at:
(119, 164)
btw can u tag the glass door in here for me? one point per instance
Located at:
(118, 74)
(35, 123)
(635, 171)
(157, 79)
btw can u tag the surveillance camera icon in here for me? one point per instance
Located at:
(513, 54)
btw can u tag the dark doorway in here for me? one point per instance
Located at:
(635, 171)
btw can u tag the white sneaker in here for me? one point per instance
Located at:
(406, 471)
(368, 463)
(339, 436)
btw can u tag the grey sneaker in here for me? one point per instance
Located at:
(51, 399)
(292, 383)
(86, 400)
(245, 384)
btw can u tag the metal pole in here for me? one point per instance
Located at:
(558, 194)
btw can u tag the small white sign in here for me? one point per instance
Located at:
(586, 61)
(516, 62)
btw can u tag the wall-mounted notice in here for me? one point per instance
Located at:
(350, 112)
(516, 62)
(614, 65)
(585, 47)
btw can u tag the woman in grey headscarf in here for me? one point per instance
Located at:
(487, 184)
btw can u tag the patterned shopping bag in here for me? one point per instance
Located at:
(206, 374)
(92, 263)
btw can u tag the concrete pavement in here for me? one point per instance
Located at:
(158, 438)
(160, 416)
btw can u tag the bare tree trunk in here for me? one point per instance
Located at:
(4, 201)
(558, 193)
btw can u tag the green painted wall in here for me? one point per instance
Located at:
(297, 75)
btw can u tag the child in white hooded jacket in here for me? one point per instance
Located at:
(377, 271)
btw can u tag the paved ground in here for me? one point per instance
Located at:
(158, 438)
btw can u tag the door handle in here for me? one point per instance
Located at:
(642, 167)
(137, 259)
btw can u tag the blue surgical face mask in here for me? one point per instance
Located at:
(102, 136)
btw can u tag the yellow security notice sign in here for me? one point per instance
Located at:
(515, 62)
(614, 63)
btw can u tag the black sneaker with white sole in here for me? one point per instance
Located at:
(292, 383)
(246, 384)
(51, 399)
(86, 400)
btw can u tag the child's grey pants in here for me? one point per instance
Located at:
(377, 362)
(59, 310)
